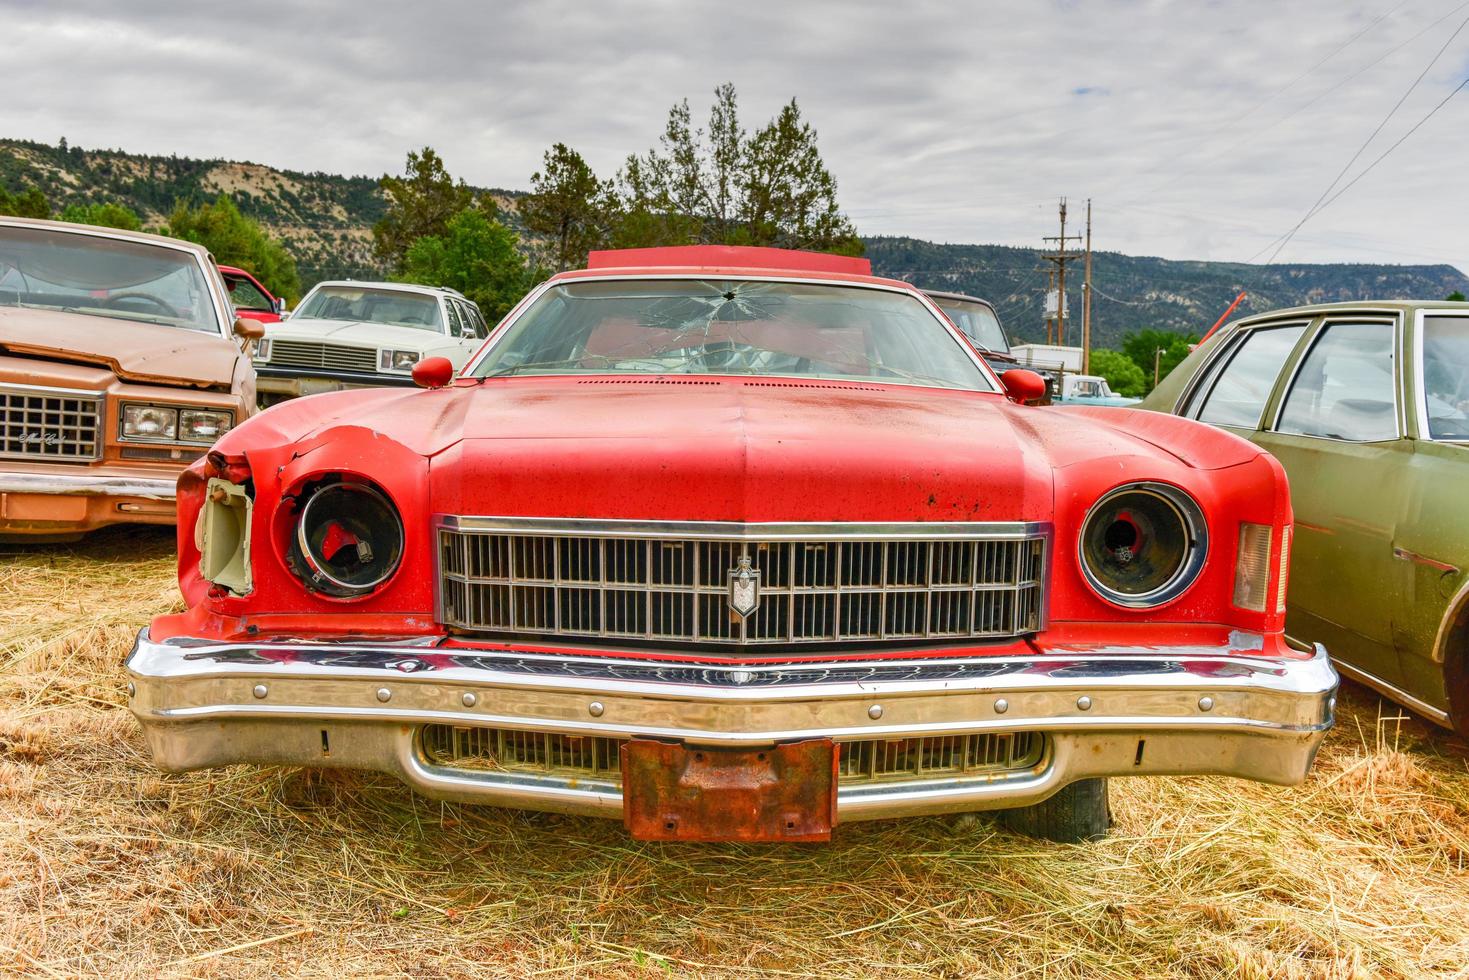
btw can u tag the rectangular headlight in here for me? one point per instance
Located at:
(1252, 572)
(262, 349)
(397, 360)
(203, 426)
(150, 422)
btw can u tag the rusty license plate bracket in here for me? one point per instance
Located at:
(785, 792)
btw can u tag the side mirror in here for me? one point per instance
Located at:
(249, 329)
(433, 372)
(1023, 386)
(279, 305)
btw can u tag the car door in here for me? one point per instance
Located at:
(1336, 425)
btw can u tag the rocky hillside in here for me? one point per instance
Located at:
(326, 220)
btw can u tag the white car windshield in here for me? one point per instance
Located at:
(733, 327)
(75, 272)
(394, 307)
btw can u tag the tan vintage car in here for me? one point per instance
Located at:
(121, 362)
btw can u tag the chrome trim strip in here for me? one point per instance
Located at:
(740, 531)
(1393, 693)
(103, 486)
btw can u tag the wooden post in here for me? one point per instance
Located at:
(1086, 298)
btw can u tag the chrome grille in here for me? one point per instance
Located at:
(487, 749)
(598, 757)
(818, 584)
(341, 357)
(50, 424)
(939, 755)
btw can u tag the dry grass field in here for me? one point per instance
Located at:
(110, 868)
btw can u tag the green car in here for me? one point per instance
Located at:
(1366, 405)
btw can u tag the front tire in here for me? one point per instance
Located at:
(1079, 812)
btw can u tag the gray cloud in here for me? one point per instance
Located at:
(1201, 130)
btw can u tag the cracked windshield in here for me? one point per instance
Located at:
(77, 273)
(733, 327)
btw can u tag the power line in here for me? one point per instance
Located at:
(1361, 149)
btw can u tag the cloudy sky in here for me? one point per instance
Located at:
(1200, 130)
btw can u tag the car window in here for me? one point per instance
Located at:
(733, 327)
(481, 329)
(245, 295)
(1239, 383)
(977, 322)
(395, 307)
(456, 324)
(1345, 386)
(1446, 376)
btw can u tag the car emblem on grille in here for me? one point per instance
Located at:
(744, 588)
(40, 439)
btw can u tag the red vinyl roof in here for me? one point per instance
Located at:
(728, 257)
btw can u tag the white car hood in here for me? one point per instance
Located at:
(358, 333)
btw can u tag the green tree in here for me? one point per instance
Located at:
(476, 255)
(718, 185)
(236, 240)
(1454, 297)
(420, 203)
(1142, 346)
(104, 213)
(29, 203)
(1123, 376)
(567, 206)
(789, 195)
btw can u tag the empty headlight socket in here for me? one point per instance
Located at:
(224, 536)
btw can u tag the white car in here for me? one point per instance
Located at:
(350, 334)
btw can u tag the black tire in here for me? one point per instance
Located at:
(1078, 813)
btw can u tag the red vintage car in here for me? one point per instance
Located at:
(734, 544)
(250, 297)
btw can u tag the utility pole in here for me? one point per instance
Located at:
(1157, 363)
(1059, 259)
(1086, 298)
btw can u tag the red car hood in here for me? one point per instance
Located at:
(716, 449)
(145, 352)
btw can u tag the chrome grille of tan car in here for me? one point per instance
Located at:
(54, 425)
(817, 584)
(340, 357)
(475, 749)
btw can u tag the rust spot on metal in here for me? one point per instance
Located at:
(695, 793)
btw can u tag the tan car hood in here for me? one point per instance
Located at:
(144, 352)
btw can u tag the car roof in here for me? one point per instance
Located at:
(97, 231)
(405, 287)
(1361, 306)
(961, 297)
(730, 261)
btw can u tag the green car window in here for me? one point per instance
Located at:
(1446, 377)
(1241, 385)
(1345, 388)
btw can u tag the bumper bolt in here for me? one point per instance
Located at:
(469, 699)
(1001, 706)
(384, 694)
(260, 691)
(132, 689)
(1084, 703)
(1206, 703)
(875, 712)
(596, 708)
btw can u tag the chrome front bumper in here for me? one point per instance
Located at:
(1122, 711)
(89, 485)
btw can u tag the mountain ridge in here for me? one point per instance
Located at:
(326, 222)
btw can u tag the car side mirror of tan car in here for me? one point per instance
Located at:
(1023, 386)
(433, 372)
(248, 329)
